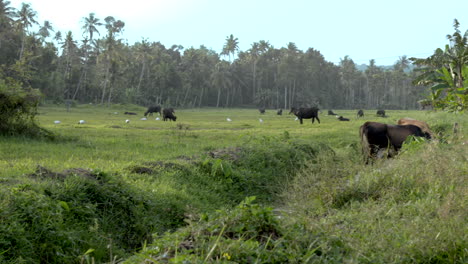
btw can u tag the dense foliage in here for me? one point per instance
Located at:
(447, 73)
(102, 68)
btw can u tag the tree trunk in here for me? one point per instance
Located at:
(285, 97)
(106, 79)
(219, 96)
(201, 96)
(140, 79)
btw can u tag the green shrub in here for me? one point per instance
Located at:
(18, 108)
(57, 221)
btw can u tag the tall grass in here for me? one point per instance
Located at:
(411, 209)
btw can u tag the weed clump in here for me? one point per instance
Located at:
(248, 233)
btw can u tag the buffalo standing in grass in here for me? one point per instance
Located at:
(280, 112)
(306, 113)
(261, 110)
(360, 113)
(381, 113)
(378, 137)
(168, 114)
(153, 109)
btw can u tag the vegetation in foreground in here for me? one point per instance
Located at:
(315, 201)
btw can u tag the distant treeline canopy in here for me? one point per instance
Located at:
(99, 67)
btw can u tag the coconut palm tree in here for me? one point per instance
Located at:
(231, 46)
(26, 18)
(6, 13)
(45, 30)
(90, 26)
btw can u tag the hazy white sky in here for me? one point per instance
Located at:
(362, 29)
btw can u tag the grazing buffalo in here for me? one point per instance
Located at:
(421, 124)
(129, 113)
(381, 113)
(280, 112)
(330, 112)
(377, 137)
(168, 114)
(360, 113)
(341, 118)
(306, 113)
(261, 110)
(153, 109)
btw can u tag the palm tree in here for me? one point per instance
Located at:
(231, 46)
(221, 78)
(45, 30)
(90, 25)
(6, 13)
(69, 49)
(6, 21)
(254, 53)
(26, 18)
(113, 28)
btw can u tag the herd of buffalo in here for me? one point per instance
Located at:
(377, 139)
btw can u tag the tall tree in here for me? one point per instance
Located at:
(90, 26)
(114, 27)
(230, 47)
(45, 30)
(26, 18)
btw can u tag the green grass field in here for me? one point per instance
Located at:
(106, 142)
(334, 209)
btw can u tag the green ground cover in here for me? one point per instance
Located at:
(129, 183)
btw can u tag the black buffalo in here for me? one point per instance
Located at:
(280, 112)
(341, 118)
(381, 113)
(168, 114)
(129, 113)
(153, 109)
(330, 112)
(360, 113)
(261, 110)
(306, 113)
(377, 137)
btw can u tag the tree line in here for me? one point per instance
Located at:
(101, 68)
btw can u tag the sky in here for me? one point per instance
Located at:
(383, 30)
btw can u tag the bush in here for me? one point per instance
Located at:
(57, 221)
(18, 108)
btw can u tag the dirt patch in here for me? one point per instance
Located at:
(227, 153)
(149, 128)
(44, 173)
(154, 167)
(141, 170)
